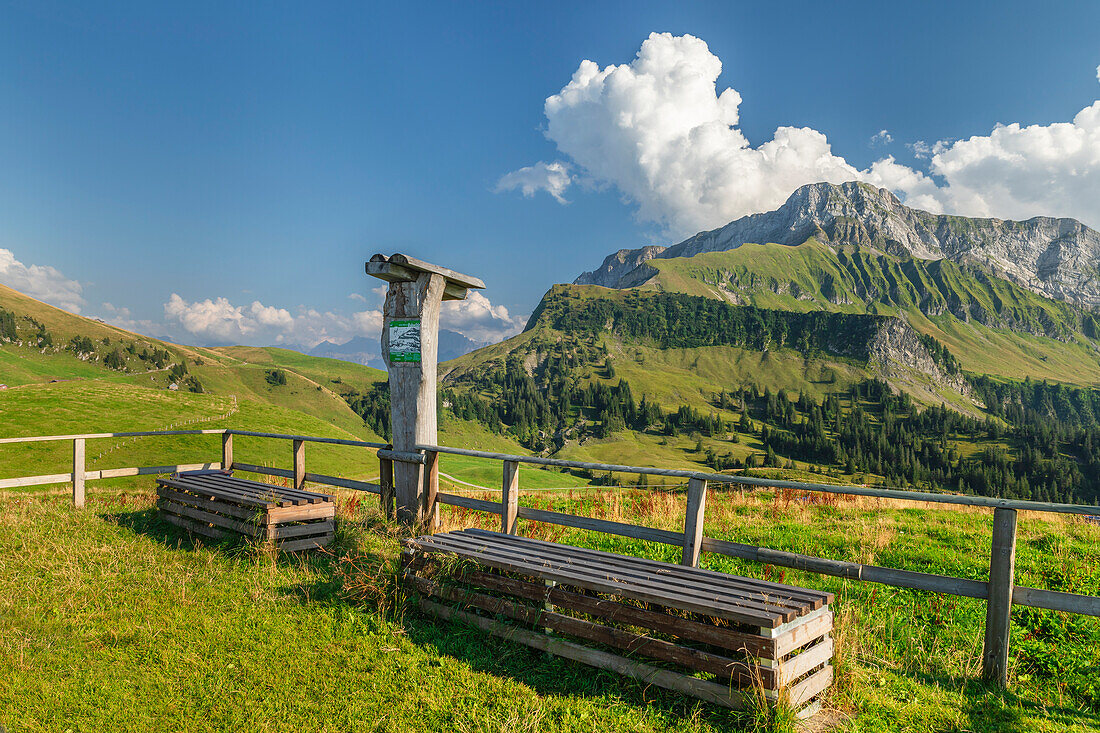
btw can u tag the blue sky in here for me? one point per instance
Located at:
(248, 158)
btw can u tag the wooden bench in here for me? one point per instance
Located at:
(740, 633)
(218, 505)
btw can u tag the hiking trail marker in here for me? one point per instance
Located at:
(410, 347)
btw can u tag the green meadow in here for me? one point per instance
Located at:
(113, 620)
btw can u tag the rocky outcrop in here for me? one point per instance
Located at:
(1057, 258)
(897, 352)
(617, 265)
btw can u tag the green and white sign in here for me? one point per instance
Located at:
(404, 340)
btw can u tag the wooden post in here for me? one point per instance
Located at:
(227, 451)
(299, 463)
(509, 498)
(410, 331)
(385, 482)
(693, 521)
(998, 610)
(431, 491)
(78, 472)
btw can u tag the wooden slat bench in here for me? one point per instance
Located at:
(739, 632)
(216, 504)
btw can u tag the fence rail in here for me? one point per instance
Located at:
(999, 591)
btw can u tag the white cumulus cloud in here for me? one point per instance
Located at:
(220, 322)
(659, 130)
(882, 137)
(553, 178)
(43, 282)
(479, 320)
(1017, 171)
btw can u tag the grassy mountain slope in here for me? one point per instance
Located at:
(53, 390)
(991, 325)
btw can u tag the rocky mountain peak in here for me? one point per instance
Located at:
(1057, 258)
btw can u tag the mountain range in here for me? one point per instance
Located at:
(1056, 258)
(368, 351)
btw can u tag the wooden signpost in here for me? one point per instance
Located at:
(410, 343)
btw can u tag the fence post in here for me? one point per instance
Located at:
(299, 463)
(227, 451)
(693, 521)
(509, 498)
(78, 472)
(431, 491)
(385, 482)
(998, 610)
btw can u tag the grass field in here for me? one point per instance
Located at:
(111, 620)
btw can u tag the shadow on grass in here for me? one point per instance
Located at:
(562, 678)
(371, 570)
(148, 523)
(367, 548)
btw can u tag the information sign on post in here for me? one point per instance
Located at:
(409, 341)
(404, 340)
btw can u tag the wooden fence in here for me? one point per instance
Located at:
(999, 592)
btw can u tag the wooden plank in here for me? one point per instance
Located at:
(193, 526)
(402, 456)
(301, 513)
(91, 436)
(78, 472)
(306, 438)
(720, 636)
(664, 576)
(802, 635)
(277, 495)
(227, 451)
(304, 530)
(431, 491)
(253, 468)
(465, 281)
(593, 580)
(998, 610)
(413, 265)
(310, 543)
(647, 674)
(509, 498)
(148, 470)
(468, 502)
(1056, 601)
(798, 665)
(299, 463)
(726, 669)
(281, 493)
(693, 522)
(601, 525)
(53, 478)
(812, 599)
(959, 499)
(211, 505)
(344, 483)
(561, 558)
(871, 573)
(183, 483)
(246, 498)
(386, 495)
(246, 528)
(227, 492)
(809, 688)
